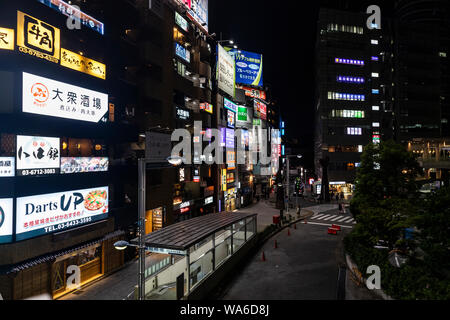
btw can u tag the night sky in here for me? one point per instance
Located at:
(284, 32)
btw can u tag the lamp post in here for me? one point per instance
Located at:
(121, 245)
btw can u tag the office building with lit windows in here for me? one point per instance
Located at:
(349, 94)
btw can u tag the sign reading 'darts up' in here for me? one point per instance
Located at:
(37, 38)
(80, 63)
(58, 99)
(6, 220)
(6, 39)
(48, 213)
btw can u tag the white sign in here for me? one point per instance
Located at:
(48, 213)
(166, 251)
(6, 220)
(226, 73)
(209, 200)
(58, 99)
(7, 165)
(37, 155)
(84, 164)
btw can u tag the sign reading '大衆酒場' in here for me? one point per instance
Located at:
(58, 99)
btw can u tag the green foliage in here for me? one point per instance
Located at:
(386, 202)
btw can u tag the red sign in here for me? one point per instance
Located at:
(254, 93)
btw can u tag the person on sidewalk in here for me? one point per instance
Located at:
(340, 208)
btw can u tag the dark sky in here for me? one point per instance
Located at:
(284, 32)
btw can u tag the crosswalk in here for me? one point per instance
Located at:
(335, 218)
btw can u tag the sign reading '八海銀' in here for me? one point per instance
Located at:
(58, 99)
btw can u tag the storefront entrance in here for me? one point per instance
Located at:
(89, 261)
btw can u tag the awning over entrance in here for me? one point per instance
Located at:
(183, 235)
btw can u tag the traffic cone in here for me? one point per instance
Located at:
(276, 244)
(263, 258)
(289, 231)
(295, 226)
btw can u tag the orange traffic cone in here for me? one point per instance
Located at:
(276, 244)
(289, 231)
(263, 257)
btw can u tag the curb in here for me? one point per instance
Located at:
(351, 265)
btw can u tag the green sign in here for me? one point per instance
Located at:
(242, 113)
(256, 122)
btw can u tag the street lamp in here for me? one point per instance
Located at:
(122, 245)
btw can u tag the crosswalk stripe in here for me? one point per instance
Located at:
(327, 215)
(348, 219)
(354, 222)
(329, 218)
(336, 217)
(318, 215)
(342, 219)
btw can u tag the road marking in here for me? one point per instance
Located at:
(347, 219)
(342, 219)
(327, 215)
(332, 217)
(336, 217)
(317, 215)
(328, 225)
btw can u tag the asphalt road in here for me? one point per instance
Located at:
(305, 266)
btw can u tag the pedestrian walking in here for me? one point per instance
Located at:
(340, 207)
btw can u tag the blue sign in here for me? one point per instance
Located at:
(229, 105)
(249, 67)
(182, 52)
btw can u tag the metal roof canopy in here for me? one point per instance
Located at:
(185, 234)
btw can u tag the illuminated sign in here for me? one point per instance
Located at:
(229, 138)
(6, 220)
(181, 22)
(226, 73)
(7, 167)
(242, 113)
(84, 164)
(229, 105)
(260, 110)
(181, 174)
(196, 179)
(197, 11)
(208, 107)
(231, 118)
(209, 200)
(183, 114)
(224, 179)
(74, 13)
(231, 160)
(37, 38)
(48, 213)
(6, 39)
(80, 63)
(37, 155)
(182, 52)
(253, 93)
(249, 67)
(58, 99)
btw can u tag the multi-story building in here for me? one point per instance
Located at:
(350, 93)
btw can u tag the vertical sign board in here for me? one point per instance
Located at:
(48, 213)
(37, 155)
(7, 167)
(6, 220)
(37, 38)
(249, 67)
(226, 73)
(58, 99)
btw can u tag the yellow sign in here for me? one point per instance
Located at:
(224, 179)
(6, 39)
(80, 63)
(37, 38)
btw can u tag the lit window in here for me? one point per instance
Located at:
(360, 148)
(443, 54)
(375, 75)
(349, 61)
(374, 41)
(375, 108)
(375, 124)
(354, 131)
(375, 91)
(374, 58)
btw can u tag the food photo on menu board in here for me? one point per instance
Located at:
(84, 164)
